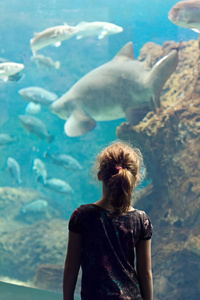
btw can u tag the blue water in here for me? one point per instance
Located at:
(142, 21)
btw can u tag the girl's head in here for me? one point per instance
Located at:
(119, 169)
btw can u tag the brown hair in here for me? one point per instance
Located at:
(120, 167)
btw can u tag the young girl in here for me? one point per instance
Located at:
(103, 235)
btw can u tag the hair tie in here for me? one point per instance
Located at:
(118, 168)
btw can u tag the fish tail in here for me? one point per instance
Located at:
(23, 210)
(50, 138)
(47, 154)
(19, 181)
(40, 179)
(160, 73)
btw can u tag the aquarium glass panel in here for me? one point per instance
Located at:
(74, 77)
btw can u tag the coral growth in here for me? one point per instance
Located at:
(170, 144)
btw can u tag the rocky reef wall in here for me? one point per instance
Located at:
(170, 143)
(30, 240)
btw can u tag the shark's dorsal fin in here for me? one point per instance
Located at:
(126, 52)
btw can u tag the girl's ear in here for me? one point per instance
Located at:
(99, 176)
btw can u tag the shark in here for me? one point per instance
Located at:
(120, 88)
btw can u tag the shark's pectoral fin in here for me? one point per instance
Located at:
(79, 123)
(134, 116)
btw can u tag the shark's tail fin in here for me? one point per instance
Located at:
(160, 73)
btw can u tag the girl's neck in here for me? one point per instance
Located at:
(104, 203)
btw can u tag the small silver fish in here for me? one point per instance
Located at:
(15, 77)
(40, 169)
(36, 126)
(8, 69)
(45, 61)
(65, 161)
(6, 139)
(59, 186)
(38, 95)
(32, 108)
(14, 168)
(101, 29)
(34, 206)
(186, 14)
(51, 36)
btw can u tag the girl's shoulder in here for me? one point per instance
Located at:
(86, 209)
(89, 210)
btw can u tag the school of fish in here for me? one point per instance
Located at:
(120, 88)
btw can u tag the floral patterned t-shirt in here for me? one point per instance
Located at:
(108, 251)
